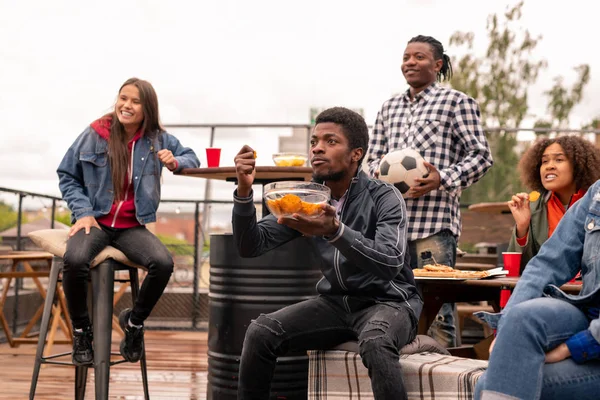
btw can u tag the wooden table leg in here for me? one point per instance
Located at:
(3, 320)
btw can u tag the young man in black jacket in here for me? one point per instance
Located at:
(367, 292)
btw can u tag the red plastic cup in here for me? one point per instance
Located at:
(512, 263)
(213, 157)
(504, 296)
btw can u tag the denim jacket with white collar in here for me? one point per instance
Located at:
(85, 179)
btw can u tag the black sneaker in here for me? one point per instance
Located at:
(83, 352)
(132, 345)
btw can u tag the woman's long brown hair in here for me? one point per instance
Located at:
(117, 145)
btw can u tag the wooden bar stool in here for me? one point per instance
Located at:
(102, 277)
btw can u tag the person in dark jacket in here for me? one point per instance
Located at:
(367, 292)
(110, 178)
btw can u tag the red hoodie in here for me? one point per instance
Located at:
(122, 213)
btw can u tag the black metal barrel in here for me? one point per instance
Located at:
(240, 290)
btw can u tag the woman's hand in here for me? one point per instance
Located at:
(559, 353)
(519, 207)
(168, 159)
(84, 223)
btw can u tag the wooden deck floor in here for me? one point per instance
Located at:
(177, 369)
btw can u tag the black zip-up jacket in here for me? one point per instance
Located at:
(365, 261)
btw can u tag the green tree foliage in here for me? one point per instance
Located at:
(8, 217)
(63, 217)
(499, 81)
(177, 246)
(561, 100)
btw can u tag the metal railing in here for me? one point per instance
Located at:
(201, 216)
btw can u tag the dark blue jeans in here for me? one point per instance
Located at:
(440, 248)
(138, 244)
(381, 329)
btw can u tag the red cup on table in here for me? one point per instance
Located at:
(504, 296)
(213, 157)
(512, 263)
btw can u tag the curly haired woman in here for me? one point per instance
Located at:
(561, 169)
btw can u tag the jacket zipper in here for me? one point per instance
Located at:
(402, 292)
(129, 181)
(336, 254)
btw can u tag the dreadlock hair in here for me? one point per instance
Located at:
(445, 73)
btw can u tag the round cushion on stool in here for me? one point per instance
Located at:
(55, 241)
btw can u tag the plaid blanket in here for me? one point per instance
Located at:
(341, 375)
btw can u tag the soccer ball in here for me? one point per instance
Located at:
(401, 168)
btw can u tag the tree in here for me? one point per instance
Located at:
(8, 217)
(63, 217)
(499, 81)
(561, 100)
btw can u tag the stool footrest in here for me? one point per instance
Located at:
(70, 364)
(53, 356)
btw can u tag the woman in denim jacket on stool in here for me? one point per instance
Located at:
(110, 179)
(548, 342)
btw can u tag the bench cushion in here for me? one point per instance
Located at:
(341, 375)
(55, 241)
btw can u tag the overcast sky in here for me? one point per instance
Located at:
(61, 63)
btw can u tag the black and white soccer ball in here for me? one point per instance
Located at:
(401, 168)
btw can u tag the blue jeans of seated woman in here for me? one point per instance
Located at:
(138, 244)
(440, 248)
(517, 368)
(381, 329)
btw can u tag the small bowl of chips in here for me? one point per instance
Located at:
(286, 198)
(290, 159)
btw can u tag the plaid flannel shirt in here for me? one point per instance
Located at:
(444, 126)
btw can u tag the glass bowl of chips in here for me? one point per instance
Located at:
(285, 198)
(290, 159)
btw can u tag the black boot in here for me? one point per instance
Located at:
(132, 344)
(83, 352)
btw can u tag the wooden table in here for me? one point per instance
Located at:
(264, 174)
(491, 208)
(25, 258)
(437, 292)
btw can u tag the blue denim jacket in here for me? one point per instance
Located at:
(574, 246)
(85, 179)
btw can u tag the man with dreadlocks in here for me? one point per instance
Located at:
(444, 126)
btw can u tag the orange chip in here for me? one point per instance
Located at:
(274, 206)
(254, 154)
(534, 196)
(310, 208)
(290, 203)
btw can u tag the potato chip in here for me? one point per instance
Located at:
(274, 206)
(310, 208)
(534, 196)
(290, 203)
